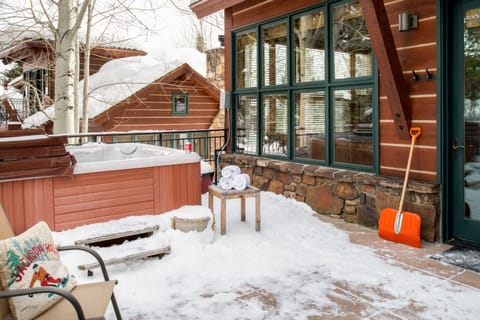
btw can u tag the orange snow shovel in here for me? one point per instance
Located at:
(397, 225)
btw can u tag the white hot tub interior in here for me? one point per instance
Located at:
(93, 157)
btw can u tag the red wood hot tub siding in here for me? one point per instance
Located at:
(68, 202)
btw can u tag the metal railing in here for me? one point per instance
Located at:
(206, 143)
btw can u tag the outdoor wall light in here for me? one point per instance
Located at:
(407, 21)
(221, 39)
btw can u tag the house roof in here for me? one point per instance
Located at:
(25, 50)
(203, 8)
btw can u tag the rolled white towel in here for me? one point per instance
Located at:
(240, 181)
(225, 183)
(230, 171)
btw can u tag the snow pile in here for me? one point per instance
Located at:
(297, 267)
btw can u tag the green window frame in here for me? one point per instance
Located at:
(305, 88)
(179, 104)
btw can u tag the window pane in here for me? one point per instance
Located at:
(275, 54)
(247, 124)
(310, 125)
(275, 124)
(180, 103)
(351, 42)
(353, 120)
(246, 70)
(309, 31)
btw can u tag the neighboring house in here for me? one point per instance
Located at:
(323, 94)
(152, 92)
(37, 56)
(181, 99)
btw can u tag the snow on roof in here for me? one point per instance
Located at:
(120, 78)
(11, 93)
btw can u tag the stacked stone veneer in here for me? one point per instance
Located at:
(353, 196)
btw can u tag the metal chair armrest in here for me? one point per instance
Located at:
(32, 291)
(95, 254)
(91, 252)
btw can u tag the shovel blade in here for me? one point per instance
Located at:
(409, 231)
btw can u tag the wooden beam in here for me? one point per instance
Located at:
(391, 74)
(204, 8)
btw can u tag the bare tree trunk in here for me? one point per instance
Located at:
(86, 68)
(68, 24)
(76, 85)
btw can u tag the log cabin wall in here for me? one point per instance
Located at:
(151, 107)
(417, 52)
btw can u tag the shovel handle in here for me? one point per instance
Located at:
(415, 133)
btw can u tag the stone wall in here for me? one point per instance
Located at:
(216, 66)
(353, 196)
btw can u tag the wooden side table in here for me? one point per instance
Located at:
(224, 195)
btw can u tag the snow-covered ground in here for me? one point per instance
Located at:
(297, 267)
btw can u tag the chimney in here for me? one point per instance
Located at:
(216, 66)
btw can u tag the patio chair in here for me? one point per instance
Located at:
(85, 301)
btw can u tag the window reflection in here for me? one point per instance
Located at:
(309, 38)
(275, 124)
(246, 60)
(351, 43)
(275, 54)
(353, 123)
(310, 125)
(247, 124)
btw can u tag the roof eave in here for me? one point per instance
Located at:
(203, 8)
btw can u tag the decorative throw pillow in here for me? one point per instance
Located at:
(32, 260)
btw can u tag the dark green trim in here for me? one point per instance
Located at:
(328, 85)
(443, 55)
(175, 96)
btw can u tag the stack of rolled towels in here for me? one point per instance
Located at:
(232, 178)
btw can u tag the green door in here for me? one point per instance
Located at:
(464, 106)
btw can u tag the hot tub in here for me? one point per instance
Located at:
(109, 181)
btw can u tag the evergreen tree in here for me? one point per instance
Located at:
(9, 74)
(13, 261)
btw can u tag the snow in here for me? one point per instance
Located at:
(120, 78)
(296, 267)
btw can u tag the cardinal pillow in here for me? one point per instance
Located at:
(31, 260)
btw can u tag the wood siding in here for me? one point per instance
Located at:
(68, 202)
(416, 52)
(151, 107)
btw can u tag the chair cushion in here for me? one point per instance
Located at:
(32, 260)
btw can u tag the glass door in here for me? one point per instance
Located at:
(465, 104)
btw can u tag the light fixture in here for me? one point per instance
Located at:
(221, 39)
(407, 21)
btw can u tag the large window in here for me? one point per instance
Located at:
(304, 88)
